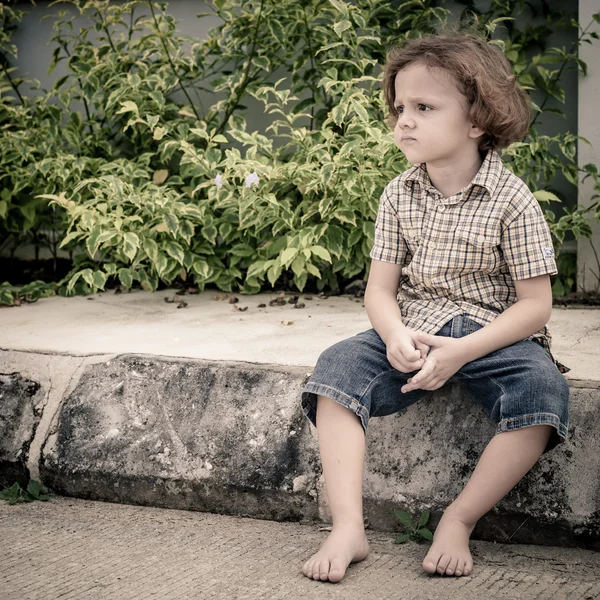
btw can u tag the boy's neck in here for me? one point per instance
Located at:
(452, 175)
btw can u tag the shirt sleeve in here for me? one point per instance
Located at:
(527, 244)
(389, 245)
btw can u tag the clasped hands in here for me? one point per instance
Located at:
(436, 358)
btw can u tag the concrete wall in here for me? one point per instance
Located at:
(588, 251)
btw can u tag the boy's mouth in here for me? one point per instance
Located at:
(407, 138)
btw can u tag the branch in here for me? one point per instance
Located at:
(312, 66)
(559, 73)
(12, 84)
(164, 45)
(105, 27)
(246, 79)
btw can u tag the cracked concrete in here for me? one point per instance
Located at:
(198, 408)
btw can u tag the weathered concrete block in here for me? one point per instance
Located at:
(424, 457)
(19, 418)
(218, 437)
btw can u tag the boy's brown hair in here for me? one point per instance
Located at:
(497, 103)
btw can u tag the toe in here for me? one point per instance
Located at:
(337, 570)
(306, 568)
(443, 563)
(430, 563)
(460, 568)
(324, 570)
(451, 568)
(468, 568)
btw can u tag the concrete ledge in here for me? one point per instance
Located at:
(201, 435)
(229, 437)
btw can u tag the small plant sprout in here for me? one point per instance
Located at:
(414, 530)
(16, 494)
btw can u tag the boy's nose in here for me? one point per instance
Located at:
(405, 120)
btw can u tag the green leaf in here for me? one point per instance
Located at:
(92, 241)
(342, 26)
(321, 253)
(287, 256)
(404, 517)
(256, 269)
(128, 106)
(201, 268)
(126, 278)
(70, 237)
(339, 112)
(99, 279)
(150, 247)
(402, 539)
(88, 277)
(425, 534)
(175, 250)
(298, 266)
(159, 133)
(131, 244)
(172, 223)
(300, 280)
(34, 488)
(544, 196)
(424, 518)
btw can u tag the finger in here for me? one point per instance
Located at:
(410, 352)
(420, 380)
(422, 348)
(400, 364)
(427, 339)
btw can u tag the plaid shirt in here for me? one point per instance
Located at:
(461, 255)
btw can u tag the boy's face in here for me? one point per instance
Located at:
(433, 124)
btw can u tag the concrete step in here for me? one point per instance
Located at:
(198, 408)
(74, 549)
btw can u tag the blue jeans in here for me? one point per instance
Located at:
(518, 386)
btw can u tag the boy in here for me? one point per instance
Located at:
(458, 290)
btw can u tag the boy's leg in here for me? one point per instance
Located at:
(342, 448)
(504, 462)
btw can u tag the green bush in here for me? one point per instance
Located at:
(149, 185)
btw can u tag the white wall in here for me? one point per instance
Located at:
(588, 265)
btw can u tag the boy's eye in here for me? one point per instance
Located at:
(421, 107)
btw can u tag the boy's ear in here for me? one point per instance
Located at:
(476, 132)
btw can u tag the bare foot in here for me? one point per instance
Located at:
(344, 545)
(449, 554)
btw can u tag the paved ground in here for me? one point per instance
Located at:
(141, 322)
(72, 549)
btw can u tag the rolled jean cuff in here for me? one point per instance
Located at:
(558, 436)
(309, 402)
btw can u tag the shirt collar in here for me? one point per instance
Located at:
(487, 177)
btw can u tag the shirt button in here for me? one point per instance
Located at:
(442, 208)
(432, 245)
(481, 239)
(427, 281)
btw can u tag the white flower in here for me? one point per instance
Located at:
(252, 179)
(219, 181)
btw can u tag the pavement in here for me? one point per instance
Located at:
(72, 549)
(141, 322)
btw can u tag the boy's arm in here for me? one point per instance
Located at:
(404, 351)
(529, 314)
(380, 298)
